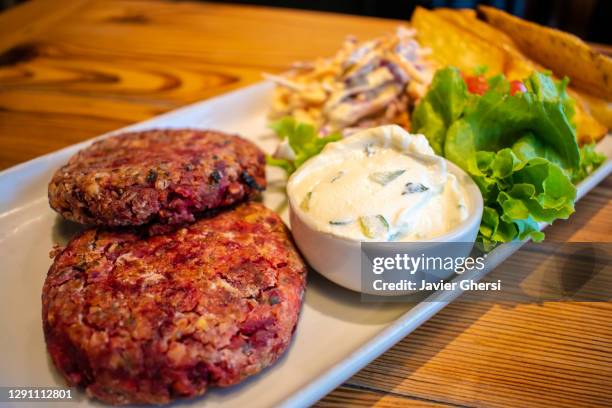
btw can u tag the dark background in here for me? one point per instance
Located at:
(589, 19)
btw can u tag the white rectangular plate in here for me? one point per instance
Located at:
(336, 336)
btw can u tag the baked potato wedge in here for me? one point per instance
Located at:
(509, 59)
(564, 54)
(452, 45)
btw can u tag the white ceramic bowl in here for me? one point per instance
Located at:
(339, 258)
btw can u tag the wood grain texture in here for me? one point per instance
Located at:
(115, 63)
(72, 71)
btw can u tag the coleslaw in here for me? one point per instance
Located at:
(365, 84)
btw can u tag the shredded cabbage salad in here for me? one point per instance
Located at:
(366, 84)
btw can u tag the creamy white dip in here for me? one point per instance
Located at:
(380, 184)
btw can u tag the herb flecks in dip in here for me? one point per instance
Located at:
(392, 188)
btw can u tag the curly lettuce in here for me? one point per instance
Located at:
(303, 139)
(520, 148)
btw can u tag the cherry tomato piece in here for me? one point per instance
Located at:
(476, 84)
(517, 86)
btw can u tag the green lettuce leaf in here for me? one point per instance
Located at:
(303, 139)
(589, 161)
(441, 106)
(520, 149)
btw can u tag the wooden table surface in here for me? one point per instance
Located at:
(72, 70)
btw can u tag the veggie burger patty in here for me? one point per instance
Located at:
(146, 319)
(156, 175)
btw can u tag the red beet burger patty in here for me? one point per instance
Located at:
(137, 319)
(156, 175)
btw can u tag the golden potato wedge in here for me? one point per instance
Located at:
(563, 53)
(588, 129)
(467, 12)
(471, 23)
(599, 108)
(452, 45)
(517, 65)
(447, 32)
